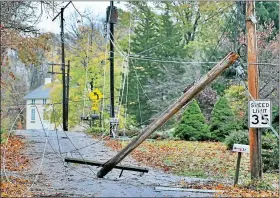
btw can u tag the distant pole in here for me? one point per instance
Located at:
(253, 84)
(65, 82)
(64, 91)
(67, 89)
(112, 110)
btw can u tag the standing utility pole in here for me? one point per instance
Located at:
(65, 80)
(112, 19)
(64, 91)
(253, 84)
(112, 69)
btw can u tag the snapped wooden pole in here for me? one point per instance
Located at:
(253, 86)
(168, 113)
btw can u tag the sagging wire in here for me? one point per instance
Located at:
(241, 76)
(55, 152)
(5, 148)
(138, 97)
(127, 73)
(43, 155)
(86, 77)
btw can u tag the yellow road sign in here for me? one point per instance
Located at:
(95, 94)
(95, 106)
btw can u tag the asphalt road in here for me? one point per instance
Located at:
(74, 180)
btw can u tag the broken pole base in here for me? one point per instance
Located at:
(95, 163)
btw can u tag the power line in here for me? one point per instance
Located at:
(190, 62)
(171, 61)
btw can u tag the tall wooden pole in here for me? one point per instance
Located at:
(168, 113)
(64, 88)
(253, 84)
(112, 110)
(65, 81)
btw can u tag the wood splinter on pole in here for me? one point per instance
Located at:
(168, 113)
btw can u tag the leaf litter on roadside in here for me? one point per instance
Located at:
(14, 162)
(201, 159)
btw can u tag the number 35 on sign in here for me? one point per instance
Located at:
(259, 114)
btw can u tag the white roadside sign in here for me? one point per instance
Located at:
(241, 148)
(114, 120)
(260, 114)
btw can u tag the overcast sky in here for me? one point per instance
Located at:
(98, 8)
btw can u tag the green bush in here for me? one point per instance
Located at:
(131, 132)
(258, 185)
(275, 118)
(270, 159)
(270, 150)
(236, 137)
(269, 140)
(3, 134)
(167, 134)
(192, 125)
(236, 95)
(222, 120)
(244, 123)
(219, 87)
(95, 130)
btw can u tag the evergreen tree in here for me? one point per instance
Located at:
(146, 30)
(192, 125)
(144, 38)
(223, 121)
(169, 35)
(268, 12)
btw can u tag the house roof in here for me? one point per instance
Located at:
(41, 92)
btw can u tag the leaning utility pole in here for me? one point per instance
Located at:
(168, 113)
(253, 85)
(112, 19)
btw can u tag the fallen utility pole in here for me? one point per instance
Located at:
(253, 86)
(94, 163)
(168, 113)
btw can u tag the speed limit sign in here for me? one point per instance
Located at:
(260, 114)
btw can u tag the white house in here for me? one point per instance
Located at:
(39, 98)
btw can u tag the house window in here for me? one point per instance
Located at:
(33, 101)
(44, 101)
(32, 114)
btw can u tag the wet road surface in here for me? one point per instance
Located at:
(74, 180)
